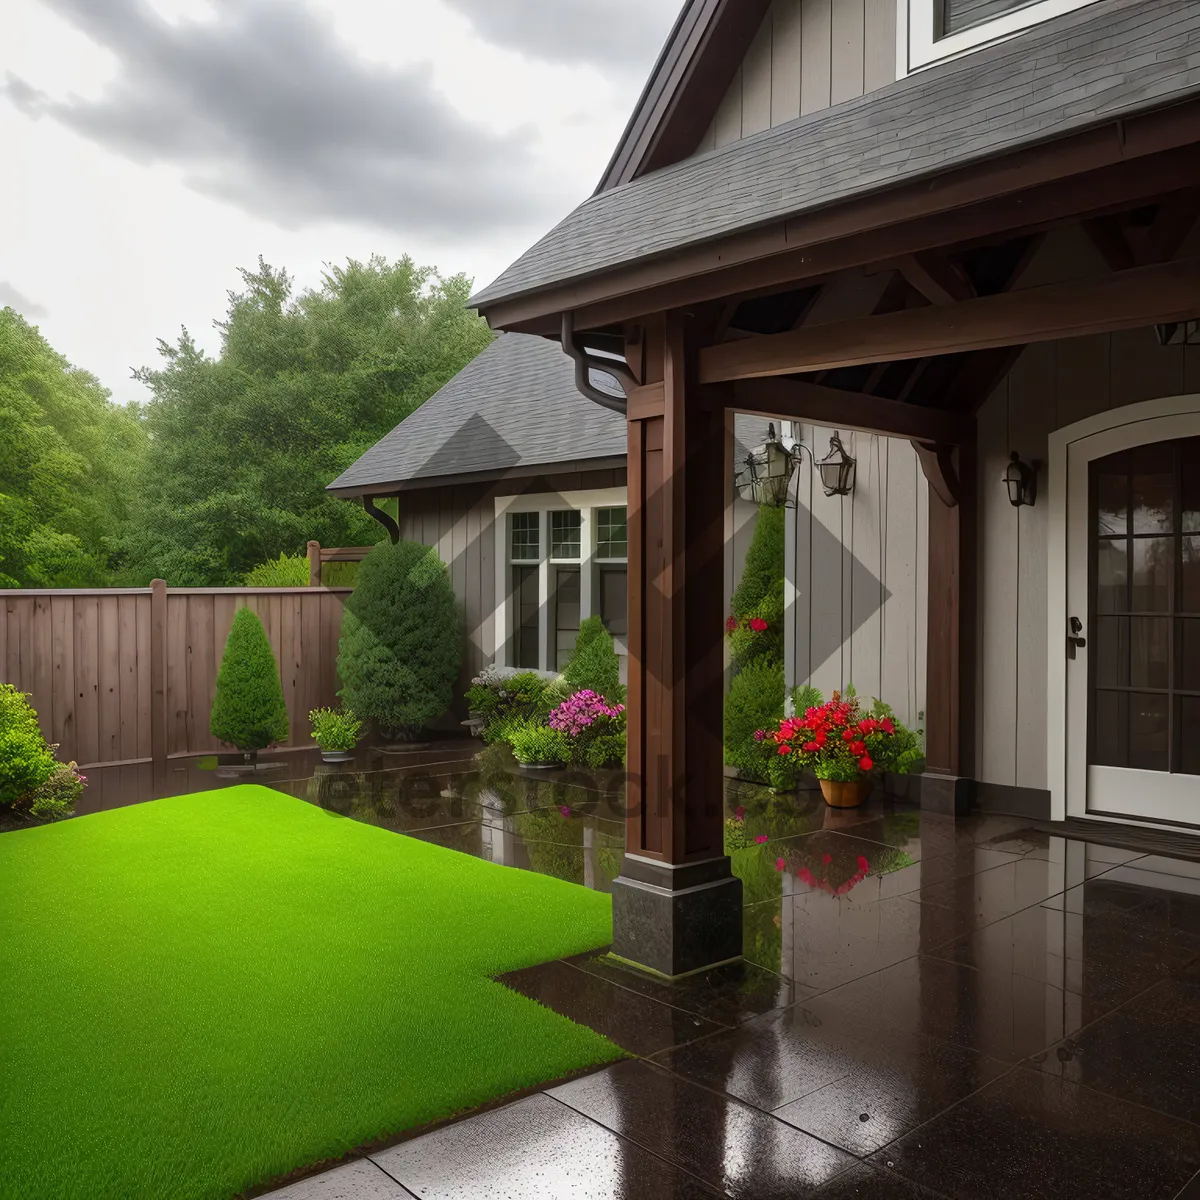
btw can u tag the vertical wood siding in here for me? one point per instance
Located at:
(86, 659)
(857, 608)
(807, 55)
(1051, 385)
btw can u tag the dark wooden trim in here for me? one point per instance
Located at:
(800, 400)
(936, 277)
(937, 465)
(950, 650)
(426, 483)
(158, 680)
(1025, 192)
(1124, 300)
(686, 87)
(645, 402)
(1108, 237)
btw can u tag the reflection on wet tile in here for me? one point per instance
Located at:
(1001, 891)
(822, 941)
(1040, 1138)
(1147, 1051)
(536, 1147)
(999, 1014)
(635, 1022)
(839, 1075)
(727, 995)
(360, 1180)
(1146, 906)
(735, 1148)
(1034, 843)
(867, 1182)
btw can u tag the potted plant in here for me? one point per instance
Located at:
(336, 731)
(842, 746)
(537, 745)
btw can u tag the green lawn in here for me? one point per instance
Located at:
(199, 994)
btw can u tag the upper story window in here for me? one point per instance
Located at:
(941, 29)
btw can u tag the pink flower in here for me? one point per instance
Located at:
(731, 625)
(779, 864)
(760, 735)
(739, 813)
(760, 839)
(758, 625)
(565, 810)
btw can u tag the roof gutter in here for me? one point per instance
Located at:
(585, 363)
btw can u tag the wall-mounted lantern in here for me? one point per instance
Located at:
(765, 475)
(1021, 481)
(837, 469)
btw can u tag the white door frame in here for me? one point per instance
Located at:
(1066, 730)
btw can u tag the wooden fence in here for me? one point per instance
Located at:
(127, 675)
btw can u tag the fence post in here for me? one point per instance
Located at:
(314, 564)
(158, 680)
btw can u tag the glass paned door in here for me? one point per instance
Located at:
(1144, 620)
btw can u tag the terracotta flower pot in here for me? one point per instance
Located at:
(846, 794)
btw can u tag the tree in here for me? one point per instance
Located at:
(243, 444)
(249, 711)
(401, 640)
(68, 464)
(594, 663)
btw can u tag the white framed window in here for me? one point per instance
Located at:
(931, 31)
(565, 559)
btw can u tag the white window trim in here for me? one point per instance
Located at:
(915, 23)
(586, 503)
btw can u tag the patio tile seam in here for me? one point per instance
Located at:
(674, 1166)
(1158, 1112)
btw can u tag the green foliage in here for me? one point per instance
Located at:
(249, 711)
(335, 729)
(759, 592)
(535, 743)
(288, 570)
(244, 444)
(746, 643)
(401, 642)
(497, 698)
(68, 461)
(605, 749)
(805, 697)
(755, 702)
(905, 752)
(57, 797)
(26, 761)
(595, 665)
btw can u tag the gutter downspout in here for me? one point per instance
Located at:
(584, 363)
(383, 518)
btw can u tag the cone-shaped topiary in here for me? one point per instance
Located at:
(759, 595)
(594, 664)
(401, 642)
(249, 711)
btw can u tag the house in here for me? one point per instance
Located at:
(520, 482)
(1001, 198)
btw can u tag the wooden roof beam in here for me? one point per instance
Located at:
(937, 279)
(1124, 300)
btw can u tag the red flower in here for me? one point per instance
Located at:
(847, 735)
(863, 865)
(858, 747)
(739, 812)
(812, 747)
(865, 763)
(779, 864)
(887, 725)
(760, 839)
(785, 749)
(806, 876)
(758, 625)
(731, 624)
(819, 738)
(827, 859)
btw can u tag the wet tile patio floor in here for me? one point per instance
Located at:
(929, 1007)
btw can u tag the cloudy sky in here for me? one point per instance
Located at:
(152, 147)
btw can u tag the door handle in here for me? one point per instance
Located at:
(1074, 641)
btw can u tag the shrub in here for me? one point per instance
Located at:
(534, 743)
(57, 797)
(595, 729)
(335, 729)
(755, 702)
(757, 632)
(26, 761)
(759, 593)
(249, 711)
(595, 665)
(401, 642)
(498, 698)
(288, 570)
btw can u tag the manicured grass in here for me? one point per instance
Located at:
(199, 994)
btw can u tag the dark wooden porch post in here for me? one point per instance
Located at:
(676, 905)
(950, 650)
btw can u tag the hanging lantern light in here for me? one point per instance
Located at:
(765, 475)
(1021, 481)
(837, 469)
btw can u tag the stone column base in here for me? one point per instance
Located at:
(949, 795)
(675, 920)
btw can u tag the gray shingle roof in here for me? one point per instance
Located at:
(512, 407)
(1109, 60)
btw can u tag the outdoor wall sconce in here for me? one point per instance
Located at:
(1021, 480)
(765, 475)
